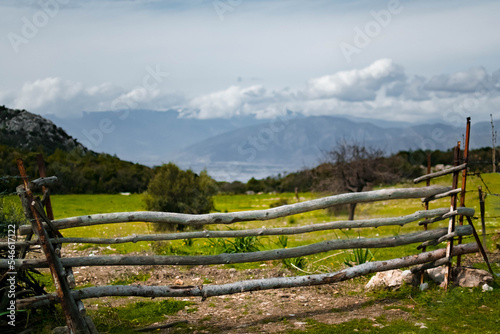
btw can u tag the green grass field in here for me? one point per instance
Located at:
(77, 205)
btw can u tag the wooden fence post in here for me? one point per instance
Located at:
(451, 223)
(464, 182)
(481, 209)
(75, 323)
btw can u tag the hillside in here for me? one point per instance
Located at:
(24, 130)
(78, 169)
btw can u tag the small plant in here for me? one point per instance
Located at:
(188, 242)
(239, 245)
(292, 220)
(282, 241)
(293, 263)
(359, 256)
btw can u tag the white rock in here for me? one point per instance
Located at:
(486, 287)
(424, 286)
(390, 278)
(436, 274)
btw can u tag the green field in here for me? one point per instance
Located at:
(77, 205)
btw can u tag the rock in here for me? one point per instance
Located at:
(471, 277)
(436, 274)
(60, 330)
(462, 276)
(486, 287)
(390, 278)
(424, 286)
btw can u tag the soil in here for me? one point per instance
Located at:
(270, 311)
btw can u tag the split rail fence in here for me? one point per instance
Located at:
(49, 237)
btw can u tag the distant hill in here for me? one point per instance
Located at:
(244, 147)
(145, 136)
(24, 130)
(302, 142)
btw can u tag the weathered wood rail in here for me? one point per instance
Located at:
(422, 238)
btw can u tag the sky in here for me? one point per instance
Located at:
(411, 61)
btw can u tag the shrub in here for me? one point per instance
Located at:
(280, 202)
(176, 190)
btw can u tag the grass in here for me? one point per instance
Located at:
(139, 314)
(430, 304)
(459, 310)
(129, 279)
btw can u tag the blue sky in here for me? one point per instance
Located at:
(401, 60)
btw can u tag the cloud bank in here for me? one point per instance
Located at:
(381, 90)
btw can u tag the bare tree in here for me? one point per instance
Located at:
(352, 167)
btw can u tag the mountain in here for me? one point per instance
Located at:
(145, 136)
(24, 130)
(244, 147)
(292, 144)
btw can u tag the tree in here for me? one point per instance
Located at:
(176, 190)
(351, 167)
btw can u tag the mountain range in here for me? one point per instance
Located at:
(244, 147)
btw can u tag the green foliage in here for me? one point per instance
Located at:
(295, 263)
(358, 256)
(378, 325)
(280, 202)
(292, 263)
(175, 190)
(78, 171)
(237, 245)
(10, 214)
(140, 314)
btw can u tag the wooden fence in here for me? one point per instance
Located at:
(51, 239)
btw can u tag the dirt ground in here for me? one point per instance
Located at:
(269, 311)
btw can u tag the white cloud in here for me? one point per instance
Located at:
(68, 98)
(235, 100)
(380, 90)
(475, 79)
(356, 85)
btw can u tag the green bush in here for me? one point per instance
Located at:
(175, 190)
(280, 202)
(10, 214)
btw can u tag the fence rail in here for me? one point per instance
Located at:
(234, 217)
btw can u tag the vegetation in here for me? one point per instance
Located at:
(237, 245)
(459, 310)
(136, 315)
(423, 307)
(175, 190)
(78, 171)
(10, 214)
